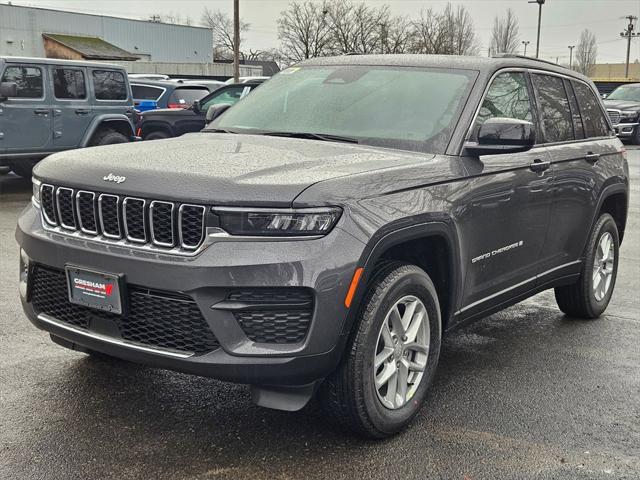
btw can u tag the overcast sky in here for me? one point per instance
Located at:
(562, 20)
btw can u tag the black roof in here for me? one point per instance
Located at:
(481, 64)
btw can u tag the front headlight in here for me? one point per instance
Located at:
(278, 222)
(628, 114)
(36, 191)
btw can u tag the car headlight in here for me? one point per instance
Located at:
(36, 191)
(278, 222)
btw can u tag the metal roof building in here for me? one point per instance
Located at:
(22, 31)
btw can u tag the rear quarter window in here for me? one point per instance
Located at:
(109, 85)
(595, 123)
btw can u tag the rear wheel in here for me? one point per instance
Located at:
(382, 382)
(108, 137)
(590, 295)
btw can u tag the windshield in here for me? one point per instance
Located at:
(628, 93)
(397, 107)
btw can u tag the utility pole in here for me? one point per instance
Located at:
(382, 37)
(525, 43)
(236, 41)
(540, 3)
(571, 47)
(629, 34)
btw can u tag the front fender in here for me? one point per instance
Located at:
(105, 118)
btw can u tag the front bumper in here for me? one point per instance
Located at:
(625, 129)
(325, 266)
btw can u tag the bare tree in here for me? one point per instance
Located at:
(504, 36)
(450, 32)
(397, 35)
(221, 26)
(357, 27)
(586, 53)
(171, 17)
(304, 32)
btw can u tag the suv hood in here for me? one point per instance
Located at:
(622, 104)
(215, 168)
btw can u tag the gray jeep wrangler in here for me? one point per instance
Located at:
(51, 105)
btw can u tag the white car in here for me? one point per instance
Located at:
(247, 79)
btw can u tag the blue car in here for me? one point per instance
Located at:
(153, 94)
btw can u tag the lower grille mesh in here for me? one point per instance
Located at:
(155, 319)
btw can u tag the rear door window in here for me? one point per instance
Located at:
(553, 105)
(109, 85)
(69, 84)
(28, 79)
(146, 92)
(185, 96)
(595, 123)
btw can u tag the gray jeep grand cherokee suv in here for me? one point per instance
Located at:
(322, 234)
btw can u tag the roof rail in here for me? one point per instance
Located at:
(513, 55)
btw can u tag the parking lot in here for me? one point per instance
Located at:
(525, 393)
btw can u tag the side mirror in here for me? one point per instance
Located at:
(8, 90)
(503, 135)
(195, 106)
(215, 111)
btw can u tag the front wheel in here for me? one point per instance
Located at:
(590, 295)
(382, 381)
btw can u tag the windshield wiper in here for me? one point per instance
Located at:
(326, 137)
(218, 130)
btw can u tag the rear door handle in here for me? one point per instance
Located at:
(592, 157)
(41, 111)
(539, 166)
(82, 111)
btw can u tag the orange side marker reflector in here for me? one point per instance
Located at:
(352, 288)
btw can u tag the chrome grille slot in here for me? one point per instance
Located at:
(161, 220)
(109, 211)
(66, 208)
(148, 224)
(191, 223)
(86, 208)
(614, 115)
(48, 202)
(135, 226)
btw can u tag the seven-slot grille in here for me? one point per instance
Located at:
(614, 115)
(115, 217)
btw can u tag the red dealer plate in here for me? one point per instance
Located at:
(98, 290)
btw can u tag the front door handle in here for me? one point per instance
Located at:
(82, 111)
(592, 157)
(41, 111)
(539, 166)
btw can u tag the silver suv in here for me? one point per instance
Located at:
(51, 105)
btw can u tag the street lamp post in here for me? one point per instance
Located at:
(571, 47)
(525, 43)
(236, 41)
(540, 3)
(629, 34)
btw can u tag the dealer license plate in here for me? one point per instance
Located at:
(102, 291)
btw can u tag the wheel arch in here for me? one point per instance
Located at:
(614, 200)
(431, 245)
(119, 123)
(156, 126)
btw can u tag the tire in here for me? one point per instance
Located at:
(635, 138)
(108, 137)
(157, 135)
(23, 168)
(581, 299)
(4, 170)
(350, 396)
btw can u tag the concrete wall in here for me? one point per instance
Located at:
(21, 30)
(615, 71)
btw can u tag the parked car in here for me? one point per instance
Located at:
(212, 85)
(166, 93)
(255, 79)
(148, 76)
(323, 234)
(623, 107)
(158, 124)
(49, 105)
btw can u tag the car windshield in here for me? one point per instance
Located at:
(396, 107)
(631, 94)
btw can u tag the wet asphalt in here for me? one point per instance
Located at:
(526, 393)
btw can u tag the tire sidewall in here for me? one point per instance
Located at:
(419, 285)
(605, 224)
